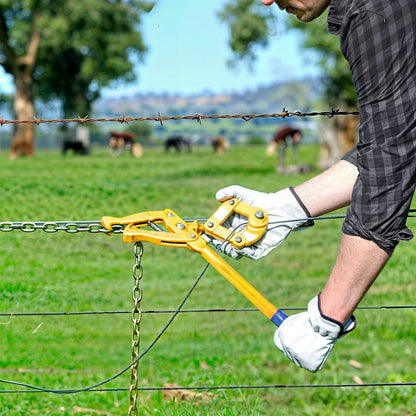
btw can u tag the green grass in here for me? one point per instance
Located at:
(64, 272)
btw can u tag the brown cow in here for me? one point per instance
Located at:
(121, 140)
(220, 145)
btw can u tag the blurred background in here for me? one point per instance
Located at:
(68, 59)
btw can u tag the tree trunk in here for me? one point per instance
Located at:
(23, 137)
(22, 70)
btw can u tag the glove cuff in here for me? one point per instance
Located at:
(325, 325)
(302, 224)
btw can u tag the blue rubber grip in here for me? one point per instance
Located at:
(278, 317)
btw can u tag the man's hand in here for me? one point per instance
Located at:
(284, 209)
(308, 338)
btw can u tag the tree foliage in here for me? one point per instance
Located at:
(250, 22)
(84, 45)
(339, 88)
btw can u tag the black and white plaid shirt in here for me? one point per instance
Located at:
(378, 39)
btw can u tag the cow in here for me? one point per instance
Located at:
(179, 143)
(220, 145)
(77, 140)
(120, 141)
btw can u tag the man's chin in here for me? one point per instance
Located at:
(304, 17)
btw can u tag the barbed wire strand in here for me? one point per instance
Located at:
(198, 117)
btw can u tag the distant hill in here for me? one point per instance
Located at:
(292, 95)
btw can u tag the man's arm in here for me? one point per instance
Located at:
(329, 190)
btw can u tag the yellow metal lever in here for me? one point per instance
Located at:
(189, 235)
(256, 223)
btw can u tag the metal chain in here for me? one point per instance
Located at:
(71, 227)
(136, 316)
(53, 227)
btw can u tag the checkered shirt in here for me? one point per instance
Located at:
(378, 39)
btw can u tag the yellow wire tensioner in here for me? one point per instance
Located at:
(189, 235)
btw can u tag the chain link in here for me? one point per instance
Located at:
(71, 227)
(136, 316)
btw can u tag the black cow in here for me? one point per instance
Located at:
(179, 143)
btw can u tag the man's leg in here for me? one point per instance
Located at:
(359, 261)
(358, 264)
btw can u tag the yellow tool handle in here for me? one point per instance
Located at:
(255, 297)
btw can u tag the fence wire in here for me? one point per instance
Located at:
(198, 117)
(95, 227)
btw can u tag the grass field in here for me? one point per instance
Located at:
(64, 272)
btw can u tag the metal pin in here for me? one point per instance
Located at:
(210, 224)
(238, 239)
(260, 215)
(231, 202)
(181, 226)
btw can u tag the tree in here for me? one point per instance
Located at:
(20, 60)
(339, 88)
(66, 49)
(97, 45)
(250, 23)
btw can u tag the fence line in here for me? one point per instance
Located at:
(235, 387)
(95, 227)
(170, 311)
(198, 117)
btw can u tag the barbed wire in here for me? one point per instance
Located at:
(197, 116)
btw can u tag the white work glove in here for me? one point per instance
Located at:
(308, 338)
(286, 213)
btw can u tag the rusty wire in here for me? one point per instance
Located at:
(198, 117)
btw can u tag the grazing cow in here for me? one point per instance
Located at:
(77, 140)
(281, 140)
(285, 136)
(220, 145)
(120, 141)
(179, 143)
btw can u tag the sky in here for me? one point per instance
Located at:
(188, 53)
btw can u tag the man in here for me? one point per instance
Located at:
(376, 178)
